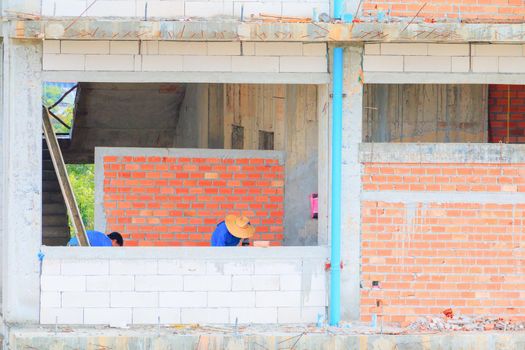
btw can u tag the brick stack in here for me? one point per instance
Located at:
(501, 113)
(177, 201)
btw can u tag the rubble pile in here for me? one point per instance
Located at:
(465, 323)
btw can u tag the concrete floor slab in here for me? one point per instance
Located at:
(254, 338)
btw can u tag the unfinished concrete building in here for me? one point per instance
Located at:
(407, 120)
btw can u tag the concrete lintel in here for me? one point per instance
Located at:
(200, 253)
(187, 77)
(443, 78)
(497, 153)
(228, 30)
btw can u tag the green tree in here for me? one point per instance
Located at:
(51, 94)
(82, 178)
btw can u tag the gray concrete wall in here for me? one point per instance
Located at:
(21, 202)
(192, 127)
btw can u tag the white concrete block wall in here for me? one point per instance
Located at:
(183, 8)
(172, 56)
(121, 290)
(444, 58)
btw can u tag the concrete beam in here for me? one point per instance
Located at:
(97, 29)
(21, 201)
(443, 78)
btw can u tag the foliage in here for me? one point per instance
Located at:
(82, 178)
(51, 94)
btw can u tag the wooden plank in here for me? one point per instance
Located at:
(279, 100)
(228, 115)
(215, 116)
(63, 179)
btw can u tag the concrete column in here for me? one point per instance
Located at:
(351, 184)
(21, 201)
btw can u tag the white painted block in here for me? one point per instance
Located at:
(248, 48)
(460, 64)
(208, 9)
(110, 63)
(279, 49)
(372, 49)
(512, 64)
(51, 267)
(63, 8)
(205, 315)
(256, 282)
(281, 298)
(207, 282)
(50, 299)
(138, 63)
(182, 267)
(290, 282)
(124, 47)
(496, 50)
(149, 47)
(166, 63)
(485, 64)
(300, 314)
(255, 64)
(61, 62)
(231, 299)
(256, 8)
(314, 49)
(448, 50)
(314, 298)
(383, 63)
(85, 299)
(134, 299)
(94, 47)
(182, 48)
(85, 267)
(63, 283)
(207, 63)
(303, 64)
(428, 64)
(394, 49)
(152, 315)
(51, 46)
(62, 315)
(254, 315)
(304, 9)
(113, 8)
(273, 267)
(133, 267)
(165, 9)
(305, 281)
(158, 283)
(109, 283)
(219, 267)
(183, 299)
(118, 317)
(224, 48)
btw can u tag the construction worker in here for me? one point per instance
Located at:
(99, 239)
(229, 232)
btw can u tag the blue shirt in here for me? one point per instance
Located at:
(221, 237)
(96, 239)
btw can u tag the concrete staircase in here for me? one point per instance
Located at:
(55, 228)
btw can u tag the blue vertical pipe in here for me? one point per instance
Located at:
(337, 142)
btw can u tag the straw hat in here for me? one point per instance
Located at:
(239, 226)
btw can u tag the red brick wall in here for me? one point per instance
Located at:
(432, 256)
(483, 10)
(500, 111)
(177, 201)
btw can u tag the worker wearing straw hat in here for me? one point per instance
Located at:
(229, 232)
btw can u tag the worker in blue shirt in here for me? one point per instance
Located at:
(99, 239)
(229, 232)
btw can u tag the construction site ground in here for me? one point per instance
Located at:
(270, 337)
